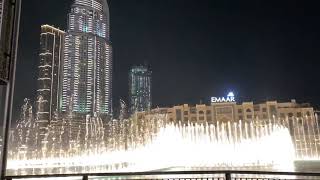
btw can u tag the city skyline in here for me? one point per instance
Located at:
(230, 82)
(217, 43)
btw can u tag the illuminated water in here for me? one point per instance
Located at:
(153, 143)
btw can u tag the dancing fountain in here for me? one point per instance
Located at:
(154, 143)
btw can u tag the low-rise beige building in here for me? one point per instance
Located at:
(231, 111)
(300, 119)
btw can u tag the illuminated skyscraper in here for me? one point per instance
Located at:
(50, 73)
(140, 89)
(87, 72)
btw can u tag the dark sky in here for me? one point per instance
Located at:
(260, 49)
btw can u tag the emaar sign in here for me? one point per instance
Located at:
(229, 98)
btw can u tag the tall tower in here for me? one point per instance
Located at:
(140, 89)
(87, 77)
(50, 73)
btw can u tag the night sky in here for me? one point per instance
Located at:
(261, 50)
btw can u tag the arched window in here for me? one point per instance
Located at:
(249, 111)
(201, 112)
(308, 113)
(193, 110)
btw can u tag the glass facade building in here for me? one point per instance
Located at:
(1, 14)
(9, 36)
(140, 89)
(3, 62)
(87, 71)
(50, 73)
(5, 33)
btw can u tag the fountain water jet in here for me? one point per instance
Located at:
(149, 143)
